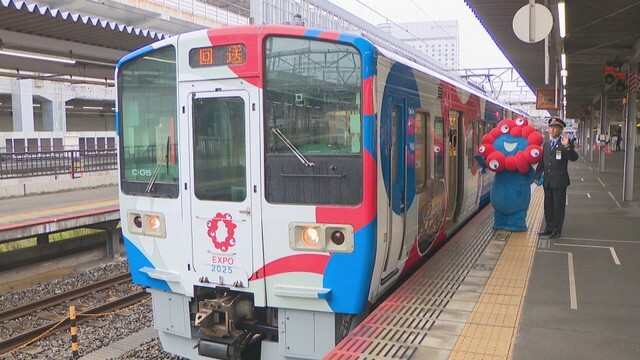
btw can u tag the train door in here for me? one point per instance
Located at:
(454, 171)
(221, 196)
(396, 217)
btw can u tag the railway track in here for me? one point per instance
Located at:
(53, 327)
(57, 299)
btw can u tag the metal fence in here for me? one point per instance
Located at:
(73, 162)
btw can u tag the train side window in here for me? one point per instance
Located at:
(424, 158)
(438, 141)
(470, 142)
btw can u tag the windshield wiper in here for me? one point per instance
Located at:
(154, 176)
(291, 147)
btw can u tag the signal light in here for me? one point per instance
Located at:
(609, 74)
(621, 82)
(620, 86)
(338, 237)
(137, 221)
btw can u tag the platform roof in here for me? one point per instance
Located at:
(95, 44)
(598, 32)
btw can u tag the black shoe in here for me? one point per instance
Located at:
(554, 236)
(545, 233)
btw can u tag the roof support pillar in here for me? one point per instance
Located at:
(22, 105)
(54, 115)
(603, 129)
(630, 137)
(592, 137)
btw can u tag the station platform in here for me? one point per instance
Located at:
(27, 210)
(47, 213)
(494, 295)
(39, 215)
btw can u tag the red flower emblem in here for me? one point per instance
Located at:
(212, 231)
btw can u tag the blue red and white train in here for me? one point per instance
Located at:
(276, 181)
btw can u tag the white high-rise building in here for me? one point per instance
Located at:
(439, 40)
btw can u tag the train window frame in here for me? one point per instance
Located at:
(351, 126)
(329, 117)
(422, 121)
(471, 144)
(231, 155)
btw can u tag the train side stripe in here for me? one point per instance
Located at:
(137, 261)
(367, 50)
(349, 275)
(117, 123)
(310, 263)
(135, 54)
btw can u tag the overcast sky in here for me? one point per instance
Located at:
(477, 49)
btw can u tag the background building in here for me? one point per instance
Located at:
(439, 40)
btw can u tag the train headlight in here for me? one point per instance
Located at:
(153, 224)
(311, 237)
(321, 237)
(146, 223)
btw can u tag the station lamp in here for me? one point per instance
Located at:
(29, 55)
(562, 24)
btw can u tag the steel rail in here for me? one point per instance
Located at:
(57, 299)
(15, 341)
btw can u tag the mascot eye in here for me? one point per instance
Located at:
(504, 129)
(437, 149)
(494, 164)
(535, 152)
(519, 121)
(482, 149)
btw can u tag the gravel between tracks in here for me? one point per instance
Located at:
(93, 335)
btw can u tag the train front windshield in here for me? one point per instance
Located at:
(147, 90)
(313, 122)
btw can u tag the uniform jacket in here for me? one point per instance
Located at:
(555, 171)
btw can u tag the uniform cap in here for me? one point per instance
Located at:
(556, 121)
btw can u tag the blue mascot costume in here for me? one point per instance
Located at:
(510, 150)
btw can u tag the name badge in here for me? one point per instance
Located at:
(558, 155)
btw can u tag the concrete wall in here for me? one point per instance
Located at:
(49, 184)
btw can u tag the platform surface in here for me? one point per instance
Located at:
(497, 295)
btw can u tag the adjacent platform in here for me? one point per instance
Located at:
(499, 295)
(38, 214)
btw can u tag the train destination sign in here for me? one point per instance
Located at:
(217, 56)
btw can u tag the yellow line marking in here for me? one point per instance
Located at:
(57, 211)
(492, 327)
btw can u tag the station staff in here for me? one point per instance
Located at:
(552, 170)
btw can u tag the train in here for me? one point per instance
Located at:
(276, 181)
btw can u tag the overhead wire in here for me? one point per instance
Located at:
(413, 35)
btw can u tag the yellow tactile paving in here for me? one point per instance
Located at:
(492, 327)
